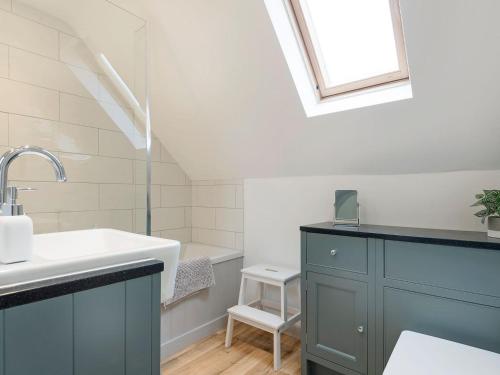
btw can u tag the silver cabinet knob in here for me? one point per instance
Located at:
(333, 252)
(361, 329)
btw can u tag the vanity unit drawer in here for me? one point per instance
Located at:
(339, 252)
(460, 268)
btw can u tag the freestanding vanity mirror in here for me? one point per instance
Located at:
(346, 208)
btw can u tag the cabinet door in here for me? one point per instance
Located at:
(468, 323)
(100, 330)
(38, 338)
(138, 325)
(337, 311)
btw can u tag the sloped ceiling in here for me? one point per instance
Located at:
(225, 105)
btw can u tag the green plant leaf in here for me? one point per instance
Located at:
(482, 213)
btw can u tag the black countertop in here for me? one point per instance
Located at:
(37, 290)
(431, 236)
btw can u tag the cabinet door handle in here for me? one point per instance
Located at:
(333, 252)
(361, 329)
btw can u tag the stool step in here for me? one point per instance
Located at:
(250, 315)
(276, 273)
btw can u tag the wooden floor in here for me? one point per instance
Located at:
(250, 353)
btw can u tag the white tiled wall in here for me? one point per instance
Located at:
(53, 95)
(217, 212)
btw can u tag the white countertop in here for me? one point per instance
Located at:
(417, 354)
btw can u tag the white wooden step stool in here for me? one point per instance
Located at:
(418, 354)
(248, 312)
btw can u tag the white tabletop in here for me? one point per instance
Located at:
(417, 354)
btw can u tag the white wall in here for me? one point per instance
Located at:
(275, 208)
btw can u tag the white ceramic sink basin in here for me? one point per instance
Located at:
(62, 253)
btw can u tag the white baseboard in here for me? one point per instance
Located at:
(175, 345)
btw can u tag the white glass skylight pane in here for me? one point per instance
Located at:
(353, 39)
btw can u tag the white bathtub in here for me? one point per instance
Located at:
(205, 312)
(216, 254)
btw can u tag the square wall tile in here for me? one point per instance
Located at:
(167, 174)
(214, 196)
(115, 219)
(31, 36)
(26, 10)
(78, 220)
(42, 71)
(175, 196)
(31, 168)
(183, 234)
(202, 182)
(140, 173)
(52, 135)
(56, 197)
(203, 217)
(225, 196)
(167, 218)
(202, 196)
(229, 219)
(188, 216)
(140, 220)
(116, 144)
(116, 196)
(90, 112)
(97, 169)
(25, 99)
(4, 61)
(214, 237)
(4, 129)
(6, 5)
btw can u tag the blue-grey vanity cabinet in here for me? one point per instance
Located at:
(337, 319)
(111, 329)
(385, 280)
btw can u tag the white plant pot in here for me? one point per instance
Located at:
(494, 226)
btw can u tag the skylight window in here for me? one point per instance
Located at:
(352, 44)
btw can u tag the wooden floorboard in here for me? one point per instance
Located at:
(250, 353)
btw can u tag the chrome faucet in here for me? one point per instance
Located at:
(8, 195)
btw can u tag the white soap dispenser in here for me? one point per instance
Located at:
(16, 230)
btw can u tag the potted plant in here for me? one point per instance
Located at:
(490, 200)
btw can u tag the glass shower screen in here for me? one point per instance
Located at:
(86, 63)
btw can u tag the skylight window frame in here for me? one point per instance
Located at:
(326, 92)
